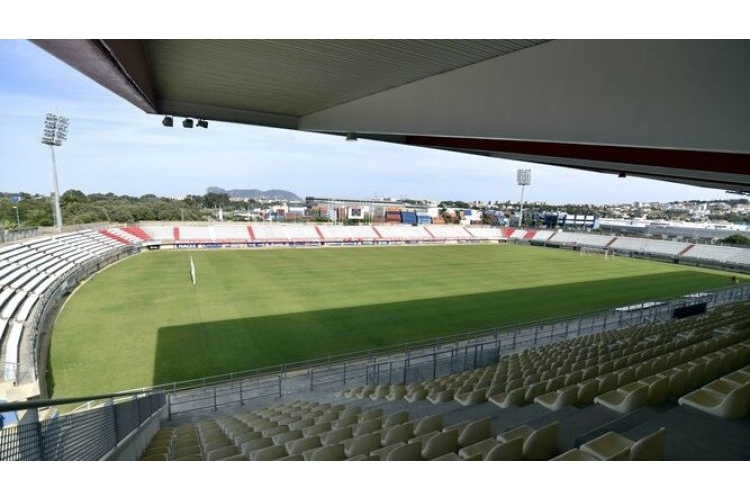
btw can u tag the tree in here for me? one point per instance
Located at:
(736, 239)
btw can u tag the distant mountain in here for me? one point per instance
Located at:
(256, 194)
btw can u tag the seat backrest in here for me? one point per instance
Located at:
(336, 435)
(269, 453)
(737, 403)
(303, 444)
(411, 451)
(256, 444)
(367, 426)
(440, 444)
(658, 390)
(362, 445)
(511, 450)
(650, 447)
(429, 424)
(587, 391)
(475, 432)
(542, 443)
(566, 396)
(330, 452)
(396, 418)
(397, 434)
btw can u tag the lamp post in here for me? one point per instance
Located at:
(523, 178)
(54, 134)
(18, 219)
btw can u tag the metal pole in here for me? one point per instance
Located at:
(18, 219)
(520, 212)
(56, 187)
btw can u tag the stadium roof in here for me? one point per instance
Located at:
(672, 110)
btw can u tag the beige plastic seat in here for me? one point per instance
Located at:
(316, 429)
(508, 450)
(575, 454)
(558, 399)
(587, 391)
(396, 392)
(607, 382)
(677, 382)
(722, 385)
(246, 436)
(428, 424)
(185, 450)
(658, 388)
(473, 397)
(256, 444)
(440, 444)
(375, 413)
(332, 452)
(336, 435)
(286, 436)
(272, 431)
(440, 396)
(534, 390)
(625, 399)
(614, 446)
(694, 371)
(733, 405)
(397, 418)
(268, 453)
(412, 451)
(507, 399)
(399, 433)
(738, 376)
(553, 384)
(474, 432)
(416, 395)
(223, 452)
(301, 445)
(345, 421)
(477, 451)
(625, 376)
(367, 426)
(362, 445)
(538, 444)
(380, 392)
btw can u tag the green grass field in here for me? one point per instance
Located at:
(142, 322)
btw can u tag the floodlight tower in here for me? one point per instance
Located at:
(54, 134)
(523, 178)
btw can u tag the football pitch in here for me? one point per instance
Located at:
(142, 322)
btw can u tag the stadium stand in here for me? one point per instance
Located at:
(404, 233)
(486, 233)
(581, 387)
(159, 233)
(29, 271)
(347, 233)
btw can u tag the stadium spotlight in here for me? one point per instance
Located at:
(187, 123)
(167, 121)
(54, 134)
(202, 123)
(523, 179)
(351, 136)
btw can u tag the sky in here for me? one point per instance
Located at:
(115, 147)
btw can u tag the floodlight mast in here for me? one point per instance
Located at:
(523, 178)
(54, 134)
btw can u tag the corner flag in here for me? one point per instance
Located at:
(192, 270)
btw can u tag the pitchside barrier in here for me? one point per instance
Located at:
(115, 426)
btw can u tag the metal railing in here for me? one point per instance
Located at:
(85, 435)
